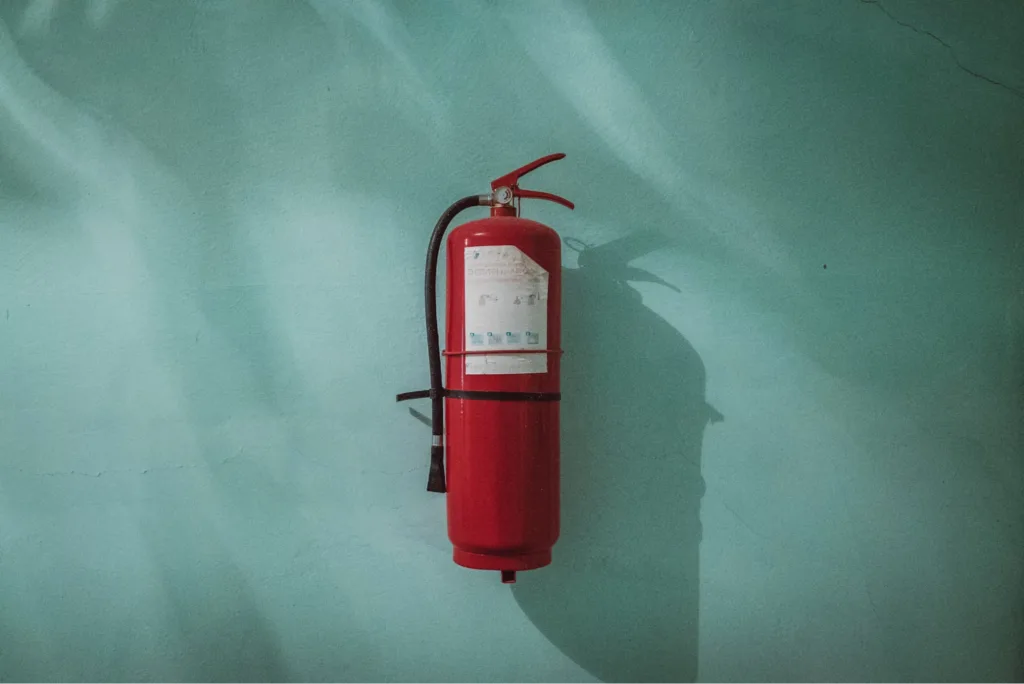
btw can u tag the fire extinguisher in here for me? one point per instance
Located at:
(496, 421)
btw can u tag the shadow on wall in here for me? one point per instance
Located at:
(621, 596)
(219, 632)
(202, 267)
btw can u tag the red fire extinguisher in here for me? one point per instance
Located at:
(496, 421)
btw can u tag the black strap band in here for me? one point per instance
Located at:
(503, 396)
(483, 395)
(418, 394)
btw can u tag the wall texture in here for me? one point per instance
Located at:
(794, 377)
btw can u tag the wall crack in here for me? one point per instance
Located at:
(127, 471)
(949, 48)
(744, 523)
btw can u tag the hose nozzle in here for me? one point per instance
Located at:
(436, 479)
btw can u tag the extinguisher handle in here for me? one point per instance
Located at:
(511, 179)
(536, 194)
(508, 185)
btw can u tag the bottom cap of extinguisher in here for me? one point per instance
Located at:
(502, 561)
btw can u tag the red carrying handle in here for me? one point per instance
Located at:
(511, 181)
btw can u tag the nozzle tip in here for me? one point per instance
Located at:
(508, 576)
(435, 478)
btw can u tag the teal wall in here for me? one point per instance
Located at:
(794, 375)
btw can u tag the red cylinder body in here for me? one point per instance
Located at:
(503, 456)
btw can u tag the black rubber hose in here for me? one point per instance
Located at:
(436, 478)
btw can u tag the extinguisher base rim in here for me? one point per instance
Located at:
(517, 562)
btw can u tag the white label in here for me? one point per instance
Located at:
(507, 309)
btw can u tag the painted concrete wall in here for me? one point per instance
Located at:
(795, 337)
